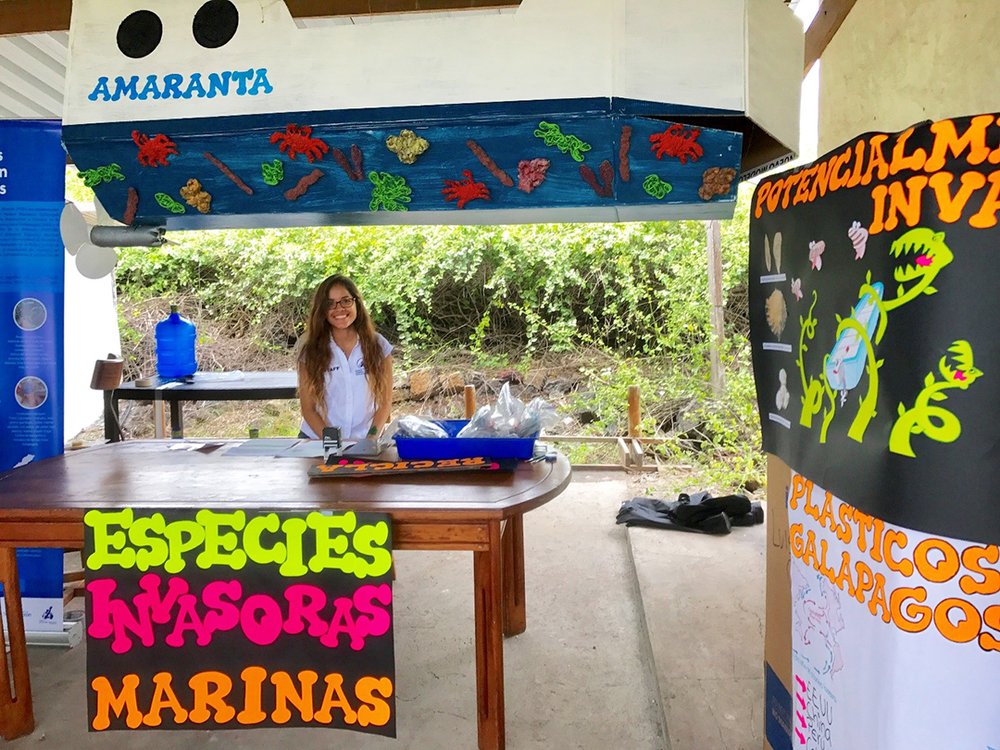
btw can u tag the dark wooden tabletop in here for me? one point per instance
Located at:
(215, 386)
(160, 473)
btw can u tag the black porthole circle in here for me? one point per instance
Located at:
(215, 23)
(139, 34)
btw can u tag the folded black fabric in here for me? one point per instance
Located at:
(699, 513)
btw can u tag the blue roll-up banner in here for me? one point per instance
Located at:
(32, 195)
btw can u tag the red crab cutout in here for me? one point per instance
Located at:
(676, 141)
(298, 140)
(465, 190)
(154, 152)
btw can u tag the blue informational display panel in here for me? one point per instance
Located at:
(32, 195)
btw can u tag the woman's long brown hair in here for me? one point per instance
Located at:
(314, 356)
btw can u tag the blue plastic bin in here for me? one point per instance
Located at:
(432, 449)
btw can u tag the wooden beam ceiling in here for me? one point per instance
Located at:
(34, 16)
(824, 26)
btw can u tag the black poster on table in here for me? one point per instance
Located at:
(874, 286)
(205, 619)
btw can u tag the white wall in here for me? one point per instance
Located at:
(897, 62)
(91, 333)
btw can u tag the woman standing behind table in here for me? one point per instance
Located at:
(345, 365)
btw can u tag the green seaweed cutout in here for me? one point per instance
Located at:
(390, 192)
(169, 203)
(98, 175)
(550, 133)
(273, 173)
(656, 186)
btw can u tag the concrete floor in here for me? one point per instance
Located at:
(584, 675)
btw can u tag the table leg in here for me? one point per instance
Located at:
(487, 572)
(16, 715)
(515, 618)
(176, 420)
(111, 432)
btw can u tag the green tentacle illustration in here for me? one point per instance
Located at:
(831, 396)
(812, 388)
(935, 422)
(931, 255)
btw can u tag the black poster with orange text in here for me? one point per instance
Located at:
(874, 288)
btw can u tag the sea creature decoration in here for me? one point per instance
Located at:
(170, 203)
(604, 185)
(155, 151)
(390, 192)
(551, 135)
(716, 181)
(776, 312)
(196, 196)
(772, 250)
(677, 142)
(407, 146)
(487, 161)
(816, 250)
(957, 370)
(272, 173)
(624, 146)
(531, 173)
(224, 168)
(354, 168)
(131, 205)
(98, 175)
(295, 140)
(657, 187)
(797, 289)
(465, 190)
(782, 397)
(303, 185)
(859, 238)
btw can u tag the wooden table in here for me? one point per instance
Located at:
(203, 386)
(42, 504)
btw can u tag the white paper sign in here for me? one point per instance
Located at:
(895, 633)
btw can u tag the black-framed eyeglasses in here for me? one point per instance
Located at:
(347, 303)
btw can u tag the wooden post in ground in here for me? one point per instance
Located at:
(470, 401)
(633, 411)
(713, 231)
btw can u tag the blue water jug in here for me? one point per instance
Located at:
(175, 337)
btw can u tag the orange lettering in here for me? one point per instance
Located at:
(964, 630)
(910, 617)
(285, 693)
(986, 216)
(972, 559)
(210, 689)
(946, 139)
(945, 569)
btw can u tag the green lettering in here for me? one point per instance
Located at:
(182, 536)
(105, 542)
(156, 555)
(220, 548)
(369, 541)
(293, 566)
(252, 544)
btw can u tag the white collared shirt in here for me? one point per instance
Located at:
(349, 403)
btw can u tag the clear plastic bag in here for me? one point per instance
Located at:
(412, 426)
(509, 417)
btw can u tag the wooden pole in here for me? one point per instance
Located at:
(633, 411)
(470, 401)
(713, 231)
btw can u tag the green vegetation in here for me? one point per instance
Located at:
(507, 295)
